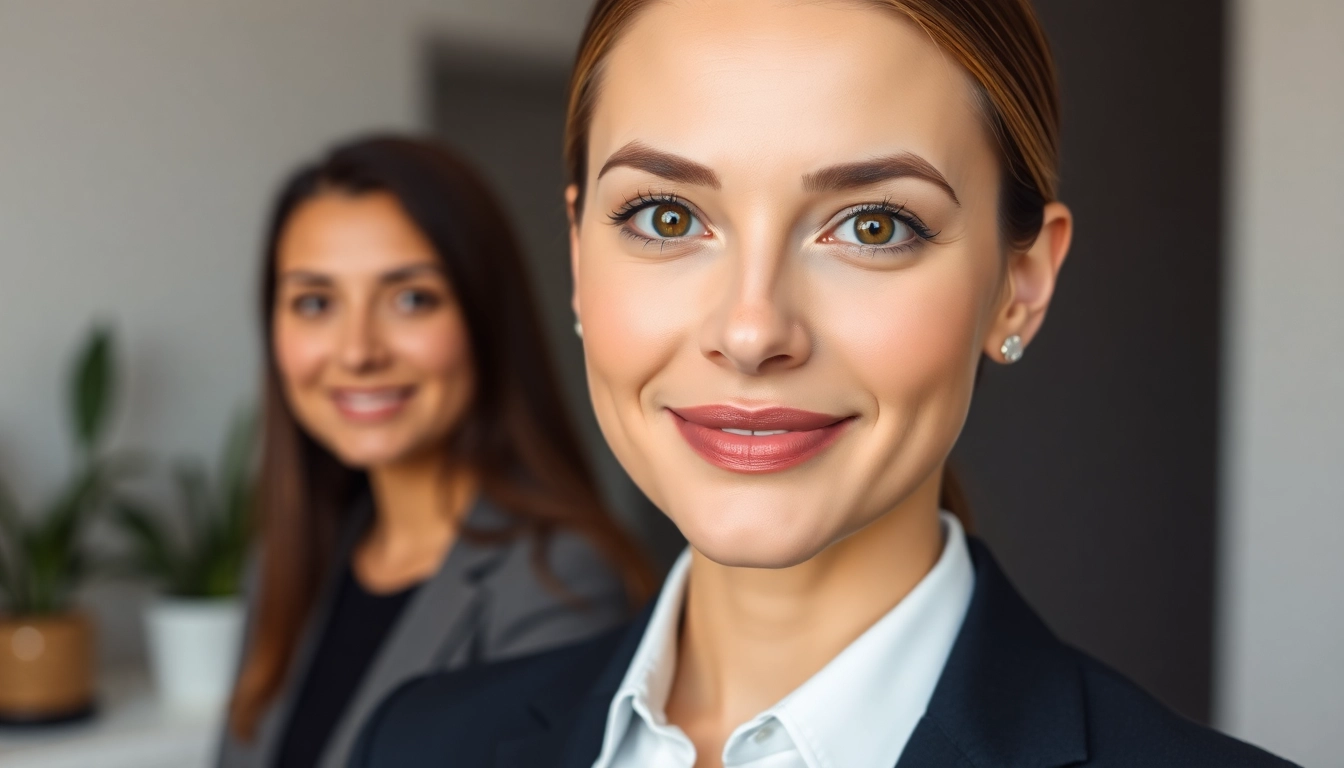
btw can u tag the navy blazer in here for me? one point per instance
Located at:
(1011, 696)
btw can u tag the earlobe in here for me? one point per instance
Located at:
(1032, 275)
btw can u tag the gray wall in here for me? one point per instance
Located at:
(1281, 628)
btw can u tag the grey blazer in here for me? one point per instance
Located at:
(485, 603)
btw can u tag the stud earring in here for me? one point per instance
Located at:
(1012, 349)
(578, 329)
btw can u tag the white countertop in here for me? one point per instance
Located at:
(130, 730)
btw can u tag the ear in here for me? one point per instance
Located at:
(571, 209)
(1031, 282)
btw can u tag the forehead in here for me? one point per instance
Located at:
(345, 232)
(734, 83)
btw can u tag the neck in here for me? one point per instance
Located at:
(751, 636)
(418, 504)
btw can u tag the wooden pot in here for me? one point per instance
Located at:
(46, 668)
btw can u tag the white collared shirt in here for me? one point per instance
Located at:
(857, 712)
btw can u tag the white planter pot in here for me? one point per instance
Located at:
(194, 646)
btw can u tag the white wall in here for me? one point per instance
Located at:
(140, 142)
(1281, 661)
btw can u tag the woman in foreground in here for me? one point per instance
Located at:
(798, 228)
(423, 502)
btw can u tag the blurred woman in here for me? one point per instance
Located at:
(424, 501)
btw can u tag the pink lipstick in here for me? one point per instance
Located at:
(762, 440)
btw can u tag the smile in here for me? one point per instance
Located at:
(371, 405)
(756, 441)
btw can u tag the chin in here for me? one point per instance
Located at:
(365, 455)
(760, 535)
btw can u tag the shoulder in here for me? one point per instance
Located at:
(468, 713)
(548, 593)
(1127, 726)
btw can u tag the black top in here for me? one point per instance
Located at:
(358, 623)
(1011, 696)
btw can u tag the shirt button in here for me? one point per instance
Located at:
(763, 733)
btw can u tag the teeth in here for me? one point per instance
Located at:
(754, 433)
(370, 401)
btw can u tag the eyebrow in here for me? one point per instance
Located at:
(398, 275)
(665, 165)
(867, 172)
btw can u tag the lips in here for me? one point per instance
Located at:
(757, 441)
(371, 404)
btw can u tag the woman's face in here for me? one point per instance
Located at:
(368, 336)
(787, 266)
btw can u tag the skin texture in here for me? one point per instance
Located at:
(376, 363)
(763, 303)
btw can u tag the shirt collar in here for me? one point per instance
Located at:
(886, 677)
(648, 680)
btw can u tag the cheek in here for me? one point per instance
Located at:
(911, 337)
(301, 352)
(439, 349)
(633, 317)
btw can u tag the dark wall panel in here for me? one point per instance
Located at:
(1091, 464)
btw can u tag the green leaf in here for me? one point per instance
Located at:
(10, 525)
(235, 472)
(151, 543)
(91, 388)
(197, 506)
(61, 524)
(7, 582)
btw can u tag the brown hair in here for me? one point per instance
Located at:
(516, 434)
(1000, 43)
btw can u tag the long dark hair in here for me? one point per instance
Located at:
(515, 435)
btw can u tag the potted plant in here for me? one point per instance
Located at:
(46, 644)
(195, 625)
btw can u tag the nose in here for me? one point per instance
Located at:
(757, 327)
(362, 348)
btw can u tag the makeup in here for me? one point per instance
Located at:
(757, 441)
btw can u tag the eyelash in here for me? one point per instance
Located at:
(897, 212)
(639, 202)
(642, 200)
(921, 230)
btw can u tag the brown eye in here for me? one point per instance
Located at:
(671, 220)
(664, 220)
(874, 228)
(310, 304)
(412, 301)
(877, 229)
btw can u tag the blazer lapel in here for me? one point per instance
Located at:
(570, 712)
(1011, 695)
(435, 627)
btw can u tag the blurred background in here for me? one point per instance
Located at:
(1163, 475)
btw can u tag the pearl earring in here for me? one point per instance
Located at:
(1012, 349)
(578, 328)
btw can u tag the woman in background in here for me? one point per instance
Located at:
(798, 229)
(424, 501)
